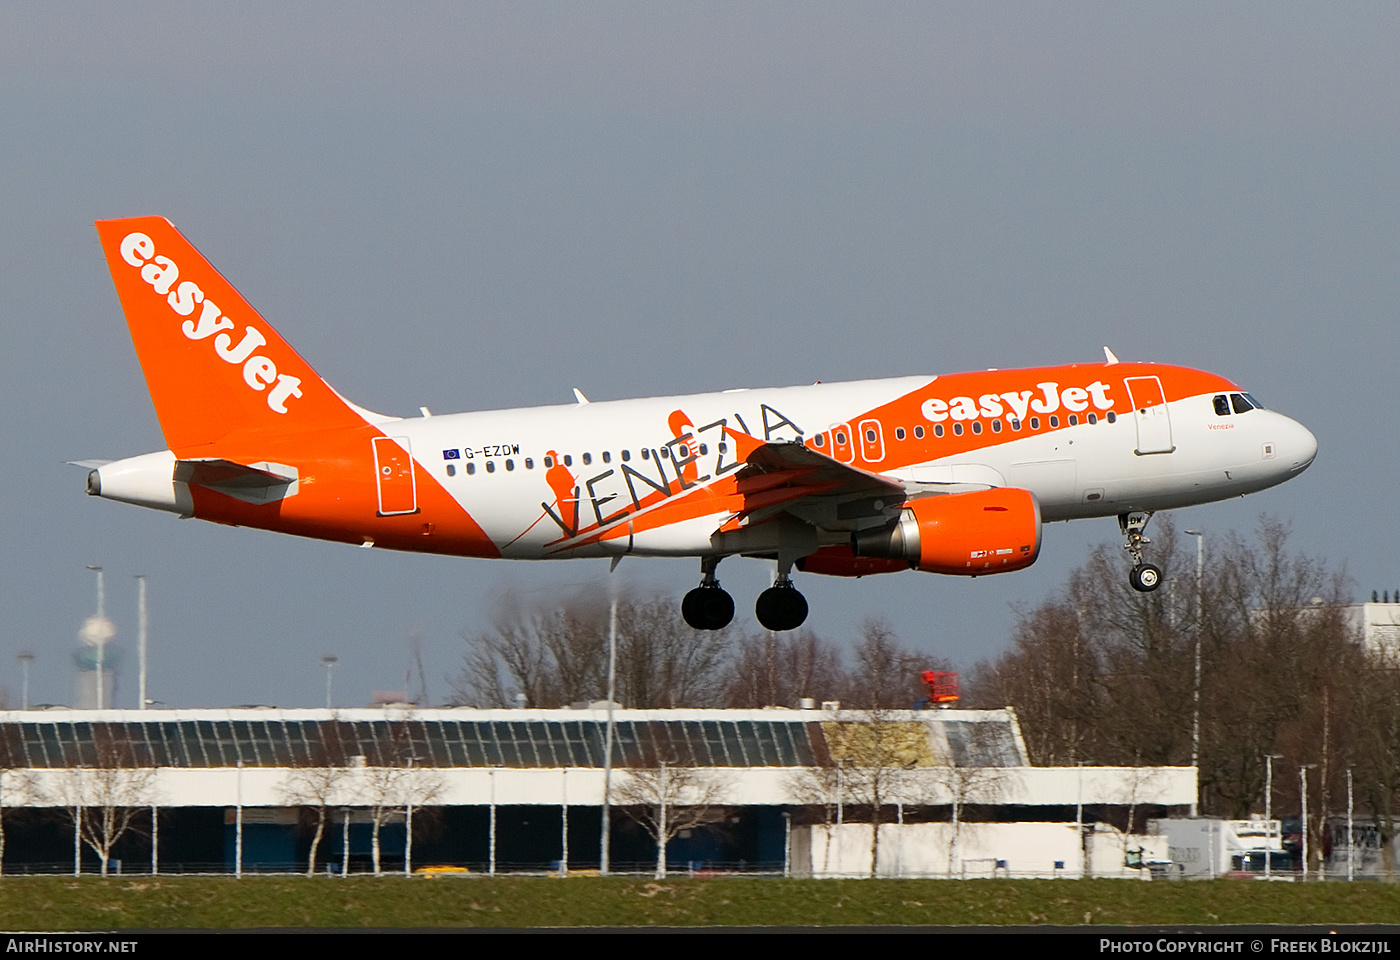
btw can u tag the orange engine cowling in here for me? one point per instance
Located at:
(987, 531)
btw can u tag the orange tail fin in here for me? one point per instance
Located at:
(213, 365)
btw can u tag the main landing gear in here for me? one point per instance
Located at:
(781, 606)
(709, 607)
(1143, 577)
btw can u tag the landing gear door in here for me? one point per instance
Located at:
(393, 474)
(1154, 426)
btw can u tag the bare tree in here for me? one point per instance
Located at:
(822, 787)
(970, 773)
(107, 798)
(886, 673)
(1104, 674)
(875, 756)
(322, 783)
(395, 781)
(779, 669)
(669, 798)
(1376, 720)
(558, 655)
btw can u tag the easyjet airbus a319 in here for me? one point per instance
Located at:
(951, 474)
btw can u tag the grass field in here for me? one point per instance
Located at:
(91, 903)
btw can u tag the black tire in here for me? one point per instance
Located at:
(781, 608)
(693, 609)
(707, 608)
(719, 608)
(1144, 578)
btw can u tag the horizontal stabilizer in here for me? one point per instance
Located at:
(251, 483)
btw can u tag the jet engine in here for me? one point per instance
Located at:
(971, 534)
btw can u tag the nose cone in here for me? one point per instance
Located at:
(1297, 446)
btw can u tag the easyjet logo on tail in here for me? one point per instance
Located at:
(183, 296)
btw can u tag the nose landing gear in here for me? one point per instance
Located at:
(708, 606)
(1143, 577)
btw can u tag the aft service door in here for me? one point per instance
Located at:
(1154, 426)
(393, 473)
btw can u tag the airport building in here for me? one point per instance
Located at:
(811, 792)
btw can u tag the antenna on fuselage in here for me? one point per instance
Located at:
(578, 395)
(1108, 357)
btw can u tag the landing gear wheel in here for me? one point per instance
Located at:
(1144, 578)
(708, 608)
(781, 607)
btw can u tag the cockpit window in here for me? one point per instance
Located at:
(1253, 402)
(1240, 403)
(1222, 405)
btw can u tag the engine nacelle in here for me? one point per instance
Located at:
(987, 531)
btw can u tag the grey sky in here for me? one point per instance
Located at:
(478, 206)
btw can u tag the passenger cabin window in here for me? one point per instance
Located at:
(899, 433)
(1222, 405)
(607, 456)
(937, 429)
(587, 459)
(919, 432)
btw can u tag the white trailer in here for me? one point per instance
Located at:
(1203, 848)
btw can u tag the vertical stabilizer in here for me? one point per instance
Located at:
(214, 366)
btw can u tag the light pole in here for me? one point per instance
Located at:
(1351, 860)
(1196, 692)
(25, 658)
(330, 660)
(97, 630)
(604, 854)
(1269, 759)
(141, 638)
(1303, 769)
(408, 824)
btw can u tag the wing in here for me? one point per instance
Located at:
(811, 486)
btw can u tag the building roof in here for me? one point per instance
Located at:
(468, 738)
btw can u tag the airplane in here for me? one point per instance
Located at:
(953, 474)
